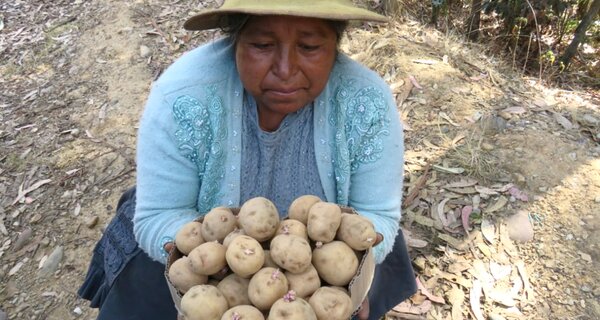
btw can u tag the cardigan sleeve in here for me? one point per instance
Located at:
(376, 161)
(167, 180)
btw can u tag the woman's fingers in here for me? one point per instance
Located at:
(379, 239)
(168, 246)
(363, 313)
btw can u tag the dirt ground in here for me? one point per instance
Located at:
(491, 157)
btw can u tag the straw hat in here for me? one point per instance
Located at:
(324, 9)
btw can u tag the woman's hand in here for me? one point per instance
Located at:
(168, 246)
(379, 239)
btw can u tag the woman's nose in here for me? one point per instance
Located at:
(285, 64)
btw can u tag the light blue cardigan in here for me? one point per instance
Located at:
(189, 145)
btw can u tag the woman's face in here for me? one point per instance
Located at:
(284, 63)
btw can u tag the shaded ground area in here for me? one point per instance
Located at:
(483, 145)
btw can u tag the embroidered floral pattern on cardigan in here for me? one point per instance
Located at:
(360, 119)
(201, 137)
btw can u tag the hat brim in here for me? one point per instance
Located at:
(330, 11)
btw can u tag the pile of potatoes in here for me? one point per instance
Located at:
(254, 265)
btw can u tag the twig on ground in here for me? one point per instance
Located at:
(417, 188)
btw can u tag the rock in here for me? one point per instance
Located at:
(505, 115)
(493, 124)
(589, 120)
(520, 177)
(586, 257)
(51, 264)
(519, 227)
(586, 288)
(145, 51)
(597, 199)
(45, 242)
(91, 222)
(487, 146)
(22, 239)
(77, 93)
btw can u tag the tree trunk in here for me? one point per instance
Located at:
(474, 20)
(435, 12)
(391, 8)
(580, 33)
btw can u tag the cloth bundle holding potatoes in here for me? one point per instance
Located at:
(252, 265)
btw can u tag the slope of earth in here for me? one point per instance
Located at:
(482, 143)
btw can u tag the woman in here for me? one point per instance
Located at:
(271, 110)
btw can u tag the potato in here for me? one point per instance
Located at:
(298, 210)
(217, 224)
(259, 218)
(305, 283)
(208, 258)
(291, 308)
(245, 256)
(244, 312)
(335, 262)
(203, 302)
(331, 304)
(266, 286)
(235, 290)
(269, 261)
(324, 218)
(291, 252)
(357, 231)
(236, 232)
(189, 236)
(182, 277)
(291, 226)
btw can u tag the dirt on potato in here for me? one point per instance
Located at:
(483, 144)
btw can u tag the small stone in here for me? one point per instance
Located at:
(51, 264)
(91, 222)
(78, 311)
(573, 156)
(569, 237)
(585, 288)
(550, 286)
(145, 51)
(589, 120)
(505, 115)
(36, 217)
(586, 257)
(487, 146)
(596, 291)
(45, 242)
(22, 239)
(597, 199)
(519, 227)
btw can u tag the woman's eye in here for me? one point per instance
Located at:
(309, 47)
(261, 46)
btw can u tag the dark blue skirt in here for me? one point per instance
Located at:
(124, 283)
